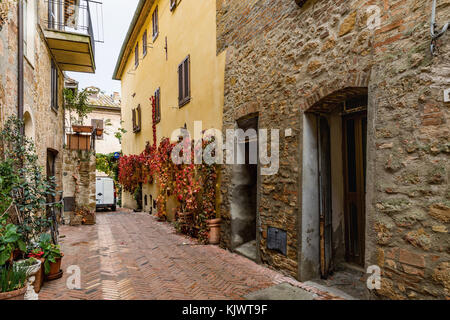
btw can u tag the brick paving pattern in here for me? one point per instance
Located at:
(132, 256)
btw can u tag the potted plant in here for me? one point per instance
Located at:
(32, 266)
(12, 283)
(82, 129)
(52, 255)
(10, 243)
(38, 254)
(99, 132)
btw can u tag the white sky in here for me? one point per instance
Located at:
(117, 15)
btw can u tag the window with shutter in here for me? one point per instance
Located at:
(144, 43)
(155, 23)
(184, 82)
(54, 86)
(138, 118)
(136, 55)
(158, 105)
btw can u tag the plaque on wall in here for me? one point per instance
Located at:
(277, 240)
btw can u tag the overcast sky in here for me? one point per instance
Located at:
(117, 15)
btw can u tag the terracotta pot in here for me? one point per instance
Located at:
(18, 294)
(39, 277)
(214, 230)
(87, 129)
(55, 267)
(99, 132)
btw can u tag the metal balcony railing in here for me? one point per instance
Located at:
(75, 16)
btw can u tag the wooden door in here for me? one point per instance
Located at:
(354, 142)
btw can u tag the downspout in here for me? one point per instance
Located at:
(20, 96)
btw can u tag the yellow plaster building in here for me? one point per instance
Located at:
(169, 52)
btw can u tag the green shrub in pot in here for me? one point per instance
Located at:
(51, 251)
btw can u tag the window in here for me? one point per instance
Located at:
(173, 4)
(144, 43)
(98, 124)
(136, 115)
(184, 82)
(158, 105)
(54, 86)
(136, 55)
(155, 23)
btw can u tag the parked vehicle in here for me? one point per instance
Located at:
(106, 193)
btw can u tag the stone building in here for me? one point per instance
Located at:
(37, 45)
(168, 54)
(364, 138)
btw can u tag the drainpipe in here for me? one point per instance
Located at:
(20, 24)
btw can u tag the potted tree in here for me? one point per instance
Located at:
(76, 104)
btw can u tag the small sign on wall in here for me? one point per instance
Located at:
(277, 240)
(447, 95)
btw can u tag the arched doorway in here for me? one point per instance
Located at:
(334, 180)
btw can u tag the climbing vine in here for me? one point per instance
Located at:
(193, 185)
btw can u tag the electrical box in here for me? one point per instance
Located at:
(277, 240)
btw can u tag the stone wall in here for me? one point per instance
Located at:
(46, 122)
(79, 181)
(282, 60)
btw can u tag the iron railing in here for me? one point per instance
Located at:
(75, 16)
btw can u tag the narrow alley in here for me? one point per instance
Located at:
(129, 255)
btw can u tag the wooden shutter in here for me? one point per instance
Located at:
(180, 83)
(133, 116)
(136, 55)
(187, 78)
(138, 116)
(155, 23)
(144, 43)
(184, 82)
(158, 105)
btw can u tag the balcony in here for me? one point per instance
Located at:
(69, 32)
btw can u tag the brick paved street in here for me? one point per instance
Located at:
(132, 256)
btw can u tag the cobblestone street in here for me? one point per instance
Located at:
(132, 256)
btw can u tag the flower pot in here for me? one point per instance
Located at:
(214, 230)
(18, 294)
(99, 132)
(39, 277)
(55, 267)
(85, 129)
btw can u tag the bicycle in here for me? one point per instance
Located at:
(54, 221)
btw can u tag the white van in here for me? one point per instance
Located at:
(105, 193)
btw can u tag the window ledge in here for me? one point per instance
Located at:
(184, 102)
